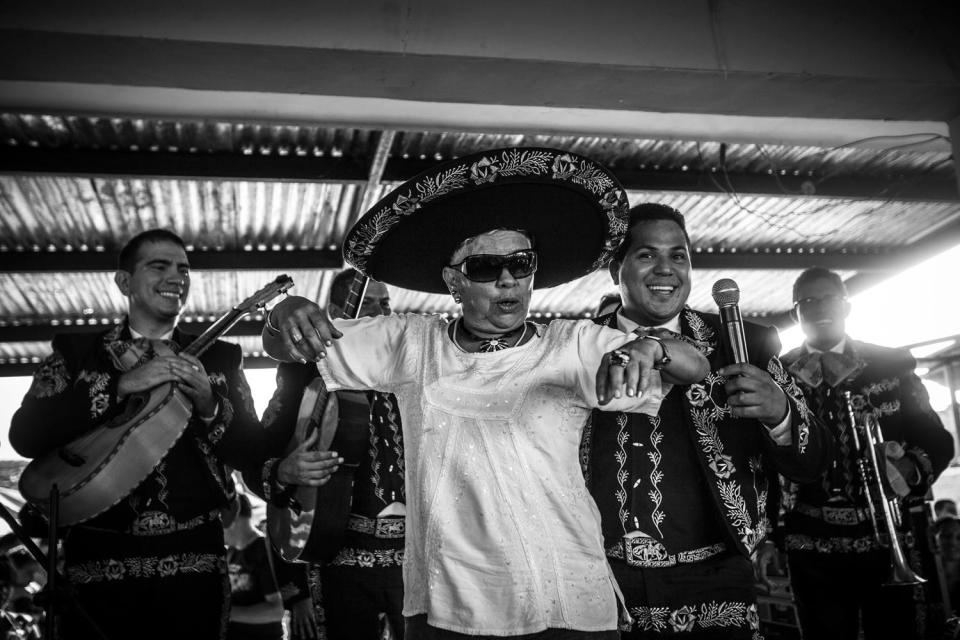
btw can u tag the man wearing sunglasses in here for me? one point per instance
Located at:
(502, 536)
(836, 566)
(683, 494)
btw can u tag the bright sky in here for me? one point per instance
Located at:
(914, 306)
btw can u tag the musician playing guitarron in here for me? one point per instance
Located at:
(153, 564)
(363, 576)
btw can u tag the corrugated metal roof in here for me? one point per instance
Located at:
(79, 213)
(137, 134)
(721, 222)
(82, 213)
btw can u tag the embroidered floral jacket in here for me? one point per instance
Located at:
(74, 391)
(884, 384)
(737, 458)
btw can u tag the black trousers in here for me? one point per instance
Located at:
(149, 588)
(835, 591)
(354, 597)
(712, 599)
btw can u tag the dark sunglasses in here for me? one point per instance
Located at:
(486, 267)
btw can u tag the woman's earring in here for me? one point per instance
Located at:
(456, 296)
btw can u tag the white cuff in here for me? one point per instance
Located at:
(781, 434)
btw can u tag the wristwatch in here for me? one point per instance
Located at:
(665, 360)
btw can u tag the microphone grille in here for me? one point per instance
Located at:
(726, 292)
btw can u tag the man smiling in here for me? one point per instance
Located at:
(682, 494)
(153, 564)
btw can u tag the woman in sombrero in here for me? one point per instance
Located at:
(503, 538)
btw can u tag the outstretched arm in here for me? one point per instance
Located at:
(298, 330)
(646, 354)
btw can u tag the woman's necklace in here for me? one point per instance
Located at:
(497, 343)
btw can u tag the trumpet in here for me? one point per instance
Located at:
(884, 511)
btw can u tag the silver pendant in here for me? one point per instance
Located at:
(493, 344)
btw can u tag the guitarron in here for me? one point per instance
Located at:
(312, 527)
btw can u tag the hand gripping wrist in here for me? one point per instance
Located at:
(665, 360)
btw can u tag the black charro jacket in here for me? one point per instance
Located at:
(739, 462)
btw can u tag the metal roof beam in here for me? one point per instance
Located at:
(311, 168)
(279, 259)
(911, 187)
(233, 260)
(920, 186)
(87, 162)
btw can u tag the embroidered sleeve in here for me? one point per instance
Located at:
(796, 402)
(50, 378)
(65, 400)
(811, 447)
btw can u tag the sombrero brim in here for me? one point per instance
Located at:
(574, 208)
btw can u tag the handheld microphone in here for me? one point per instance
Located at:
(726, 294)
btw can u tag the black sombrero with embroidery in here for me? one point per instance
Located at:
(575, 209)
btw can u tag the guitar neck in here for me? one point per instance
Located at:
(351, 307)
(217, 329)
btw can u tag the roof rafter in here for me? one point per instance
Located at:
(273, 259)
(344, 168)
(234, 260)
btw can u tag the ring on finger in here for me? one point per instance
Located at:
(619, 358)
(296, 336)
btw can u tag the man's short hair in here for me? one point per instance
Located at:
(646, 212)
(127, 260)
(340, 287)
(818, 273)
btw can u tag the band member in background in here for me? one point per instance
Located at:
(502, 537)
(683, 493)
(256, 607)
(365, 578)
(836, 566)
(152, 565)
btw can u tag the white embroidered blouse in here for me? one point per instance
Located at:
(502, 536)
